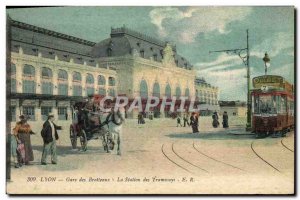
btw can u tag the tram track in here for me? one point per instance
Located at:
(178, 165)
(219, 161)
(187, 160)
(261, 158)
(285, 146)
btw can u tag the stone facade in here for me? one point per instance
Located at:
(49, 69)
(38, 62)
(207, 95)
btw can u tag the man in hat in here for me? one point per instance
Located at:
(49, 134)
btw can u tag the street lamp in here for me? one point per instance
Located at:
(266, 59)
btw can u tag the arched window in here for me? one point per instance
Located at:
(178, 92)
(47, 85)
(90, 79)
(168, 91)
(90, 87)
(62, 74)
(101, 80)
(111, 81)
(28, 70)
(77, 88)
(46, 72)
(156, 90)
(143, 89)
(28, 84)
(76, 77)
(62, 82)
(187, 92)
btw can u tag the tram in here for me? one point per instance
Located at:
(272, 106)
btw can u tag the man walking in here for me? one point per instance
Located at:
(49, 134)
(179, 121)
(185, 121)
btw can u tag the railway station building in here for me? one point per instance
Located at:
(49, 70)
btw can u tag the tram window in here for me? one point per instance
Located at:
(278, 99)
(292, 108)
(267, 104)
(283, 104)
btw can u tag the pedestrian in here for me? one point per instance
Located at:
(185, 121)
(179, 121)
(139, 118)
(225, 120)
(49, 134)
(13, 149)
(215, 118)
(22, 132)
(142, 119)
(194, 122)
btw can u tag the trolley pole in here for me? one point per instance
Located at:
(245, 59)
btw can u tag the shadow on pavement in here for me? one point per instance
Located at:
(63, 151)
(67, 150)
(229, 134)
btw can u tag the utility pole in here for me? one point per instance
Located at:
(245, 59)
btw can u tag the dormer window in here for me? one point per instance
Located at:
(155, 57)
(138, 44)
(142, 53)
(176, 61)
(185, 65)
(151, 48)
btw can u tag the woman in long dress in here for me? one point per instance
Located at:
(225, 120)
(194, 122)
(22, 132)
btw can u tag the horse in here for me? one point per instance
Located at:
(113, 124)
(105, 125)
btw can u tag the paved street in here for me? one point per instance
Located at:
(172, 160)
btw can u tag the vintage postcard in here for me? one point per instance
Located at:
(150, 100)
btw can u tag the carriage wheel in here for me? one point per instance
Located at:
(73, 137)
(83, 140)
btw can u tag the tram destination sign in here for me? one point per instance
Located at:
(269, 80)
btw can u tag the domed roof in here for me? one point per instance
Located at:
(124, 41)
(118, 46)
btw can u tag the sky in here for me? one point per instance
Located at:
(195, 31)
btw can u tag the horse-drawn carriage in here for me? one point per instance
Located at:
(90, 123)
